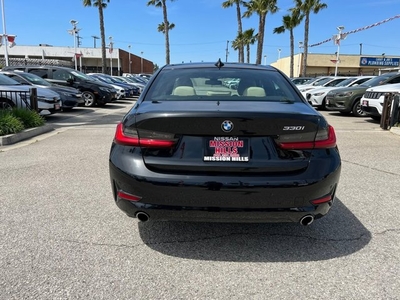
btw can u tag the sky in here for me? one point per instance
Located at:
(203, 29)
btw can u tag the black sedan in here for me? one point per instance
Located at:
(192, 149)
(70, 97)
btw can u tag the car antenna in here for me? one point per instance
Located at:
(219, 64)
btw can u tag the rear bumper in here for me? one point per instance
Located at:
(225, 198)
(223, 215)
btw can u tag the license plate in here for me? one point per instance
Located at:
(57, 106)
(226, 149)
(364, 103)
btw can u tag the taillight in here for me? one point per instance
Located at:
(129, 137)
(322, 200)
(326, 138)
(128, 197)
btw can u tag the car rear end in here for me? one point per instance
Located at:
(221, 156)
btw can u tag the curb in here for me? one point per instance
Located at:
(24, 135)
(395, 130)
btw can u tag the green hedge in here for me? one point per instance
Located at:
(18, 119)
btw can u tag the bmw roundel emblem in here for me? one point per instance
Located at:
(227, 126)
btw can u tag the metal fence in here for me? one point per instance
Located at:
(19, 99)
(390, 111)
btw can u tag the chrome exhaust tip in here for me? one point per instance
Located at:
(142, 216)
(307, 220)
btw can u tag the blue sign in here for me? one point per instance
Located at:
(379, 62)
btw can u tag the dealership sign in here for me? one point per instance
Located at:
(379, 62)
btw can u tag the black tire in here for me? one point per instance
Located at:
(323, 105)
(6, 104)
(356, 109)
(89, 98)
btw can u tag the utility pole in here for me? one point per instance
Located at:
(78, 39)
(94, 40)
(227, 52)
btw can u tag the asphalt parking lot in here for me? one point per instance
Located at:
(62, 237)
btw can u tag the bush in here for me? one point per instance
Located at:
(29, 118)
(9, 123)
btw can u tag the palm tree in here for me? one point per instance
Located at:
(289, 23)
(100, 4)
(249, 39)
(260, 7)
(305, 8)
(161, 27)
(230, 3)
(163, 5)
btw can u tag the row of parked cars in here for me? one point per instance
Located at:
(61, 88)
(360, 95)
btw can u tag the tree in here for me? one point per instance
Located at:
(100, 4)
(305, 8)
(163, 5)
(161, 27)
(230, 3)
(289, 23)
(261, 8)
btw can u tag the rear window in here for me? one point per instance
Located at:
(221, 84)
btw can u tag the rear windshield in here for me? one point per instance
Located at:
(221, 84)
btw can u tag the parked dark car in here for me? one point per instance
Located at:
(347, 100)
(192, 149)
(70, 97)
(93, 92)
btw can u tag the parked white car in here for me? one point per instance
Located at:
(317, 97)
(372, 100)
(14, 94)
(327, 81)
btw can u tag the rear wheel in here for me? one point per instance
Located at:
(6, 104)
(357, 111)
(89, 99)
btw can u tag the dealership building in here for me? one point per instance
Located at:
(88, 60)
(348, 65)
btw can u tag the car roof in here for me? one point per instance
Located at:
(214, 65)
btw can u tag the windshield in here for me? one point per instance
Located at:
(5, 80)
(81, 75)
(32, 78)
(377, 80)
(210, 84)
(322, 81)
(347, 81)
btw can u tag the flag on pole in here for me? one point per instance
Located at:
(11, 39)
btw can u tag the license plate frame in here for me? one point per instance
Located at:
(226, 149)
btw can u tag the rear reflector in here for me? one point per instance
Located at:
(327, 140)
(133, 139)
(321, 200)
(128, 197)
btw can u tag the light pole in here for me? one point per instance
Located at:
(337, 42)
(226, 51)
(4, 33)
(141, 62)
(300, 58)
(74, 31)
(111, 51)
(265, 59)
(130, 63)
(279, 54)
